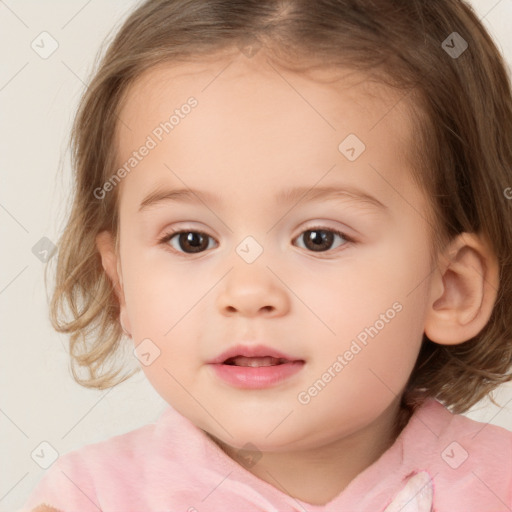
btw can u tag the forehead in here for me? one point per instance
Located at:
(227, 79)
(254, 120)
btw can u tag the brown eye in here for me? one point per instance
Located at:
(321, 240)
(189, 242)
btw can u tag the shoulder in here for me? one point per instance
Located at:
(482, 441)
(75, 481)
(469, 461)
(117, 449)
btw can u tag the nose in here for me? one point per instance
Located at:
(251, 290)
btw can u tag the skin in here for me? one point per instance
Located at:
(252, 135)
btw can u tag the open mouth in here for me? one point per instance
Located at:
(255, 362)
(251, 371)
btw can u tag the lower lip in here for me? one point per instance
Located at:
(250, 377)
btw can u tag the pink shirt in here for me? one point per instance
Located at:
(440, 462)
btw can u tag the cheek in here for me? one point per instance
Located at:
(391, 350)
(376, 305)
(160, 299)
(353, 294)
(159, 292)
(164, 305)
(374, 368)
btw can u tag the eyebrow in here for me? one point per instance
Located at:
(292, 195)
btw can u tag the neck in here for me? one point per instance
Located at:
(322, 473)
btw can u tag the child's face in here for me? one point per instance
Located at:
(254, 134)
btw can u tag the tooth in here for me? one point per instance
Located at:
(255, 362)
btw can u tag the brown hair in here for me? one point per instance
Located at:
(461, 154)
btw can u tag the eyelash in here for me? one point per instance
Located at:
(170, 234)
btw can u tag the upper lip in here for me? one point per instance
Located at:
(252, 351)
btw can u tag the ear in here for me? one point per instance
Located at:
(105, 243)
(463, 290)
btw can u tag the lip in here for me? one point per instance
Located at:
(252, 351)
(248, 377)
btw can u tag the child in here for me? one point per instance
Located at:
(300, 214)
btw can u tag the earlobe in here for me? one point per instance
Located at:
(463, 291)
(110, 262)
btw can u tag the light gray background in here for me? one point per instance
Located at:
(40, 401)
